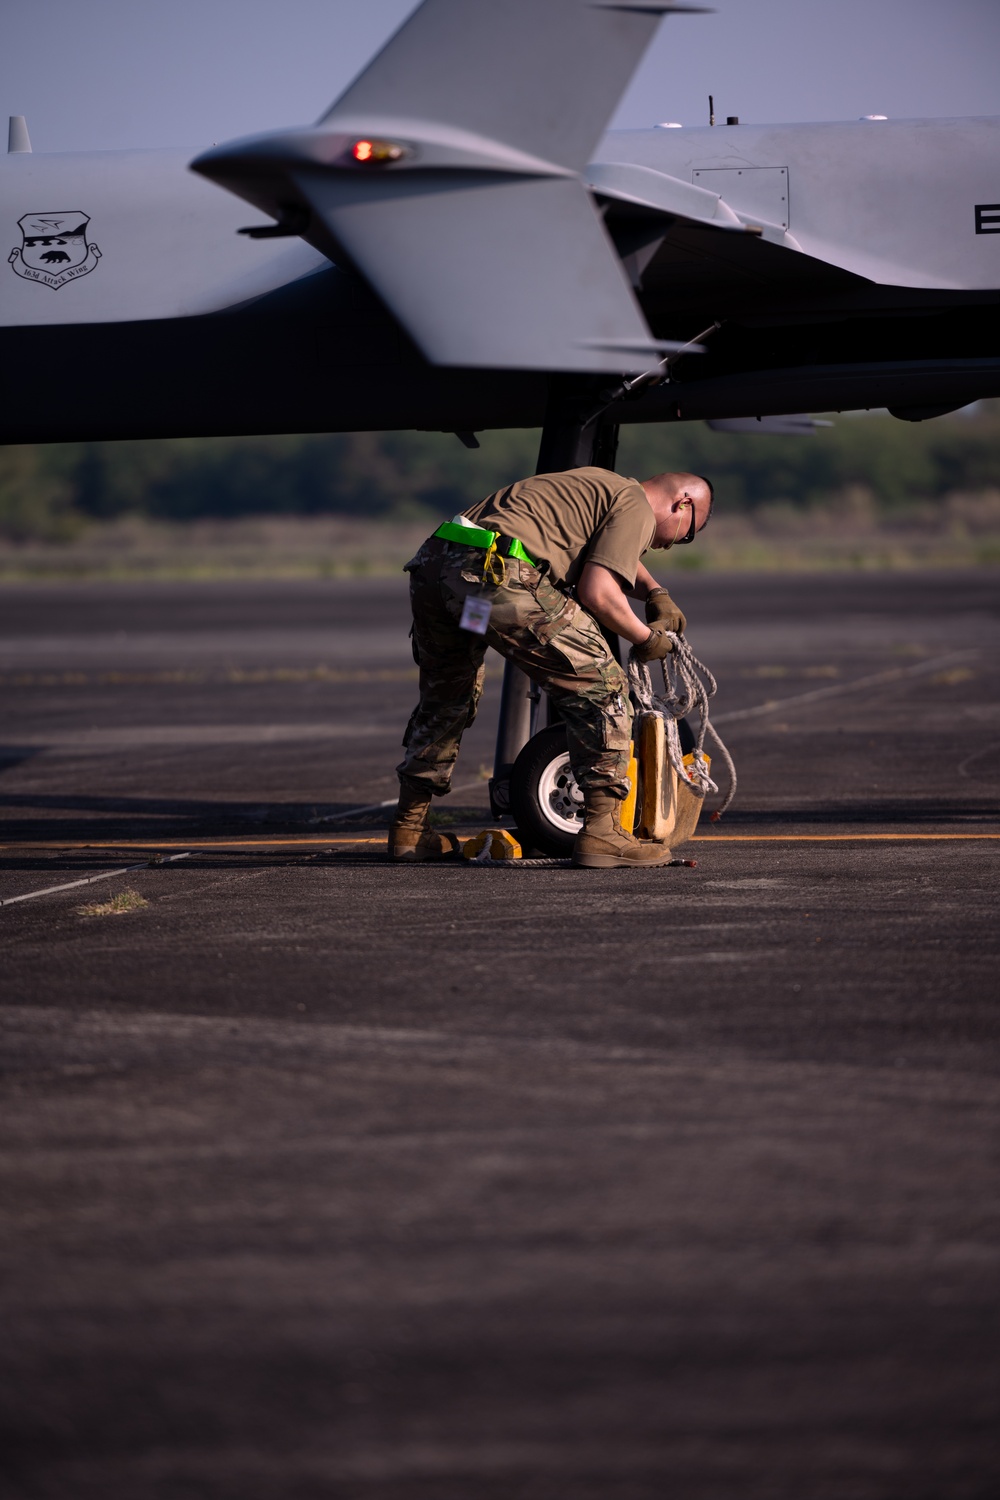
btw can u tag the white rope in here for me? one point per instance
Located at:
(687, 687)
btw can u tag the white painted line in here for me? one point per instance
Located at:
(963, 769)
(355, 812)
(895, 674)
(90, 879)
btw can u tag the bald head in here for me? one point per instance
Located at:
(673, 498)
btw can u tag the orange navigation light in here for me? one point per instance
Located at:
(377, 153)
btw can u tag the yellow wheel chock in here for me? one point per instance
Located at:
(492, 843)
(669, 808)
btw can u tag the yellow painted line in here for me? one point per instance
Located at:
(329, 842)
(192, 843)
(831, 838)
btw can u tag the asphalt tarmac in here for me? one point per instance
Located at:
(327, 1178)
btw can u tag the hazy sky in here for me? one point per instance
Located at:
(105, 74)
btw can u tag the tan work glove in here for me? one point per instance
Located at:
(661, 610)
(656, 647)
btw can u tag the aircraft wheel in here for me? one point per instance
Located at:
(544, 796)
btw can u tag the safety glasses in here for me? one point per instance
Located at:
(689, 535)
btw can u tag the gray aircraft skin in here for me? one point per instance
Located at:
(458, 237)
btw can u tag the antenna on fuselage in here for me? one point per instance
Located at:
(711, 110)
(17, 135)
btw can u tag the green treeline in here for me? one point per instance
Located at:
(54, 490)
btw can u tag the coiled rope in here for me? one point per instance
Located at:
(687, 687)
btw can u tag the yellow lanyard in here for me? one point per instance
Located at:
(494, 568)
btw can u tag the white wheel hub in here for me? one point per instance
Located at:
(559, 798)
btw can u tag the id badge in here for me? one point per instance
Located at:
(476, 614)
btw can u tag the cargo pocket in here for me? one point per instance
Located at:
(591, 669)
(555, 611)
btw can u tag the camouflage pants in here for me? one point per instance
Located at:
(535, 626)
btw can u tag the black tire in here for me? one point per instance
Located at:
(541, 784)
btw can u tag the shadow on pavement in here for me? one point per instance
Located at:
(158, 818)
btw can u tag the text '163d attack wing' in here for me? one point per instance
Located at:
(459, 244)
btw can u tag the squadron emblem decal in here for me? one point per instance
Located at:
(54, 249)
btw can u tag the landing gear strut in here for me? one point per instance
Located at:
(571, 439)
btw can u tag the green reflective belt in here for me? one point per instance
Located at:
(476, 536)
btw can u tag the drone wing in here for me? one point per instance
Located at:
(448, 175)
(541, 76)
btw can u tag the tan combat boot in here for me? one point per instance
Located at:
(603, 843)
(409, 837)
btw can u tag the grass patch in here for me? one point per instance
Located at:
(850, 533)
(127, 900)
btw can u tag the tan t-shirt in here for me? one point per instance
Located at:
(568, 519)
